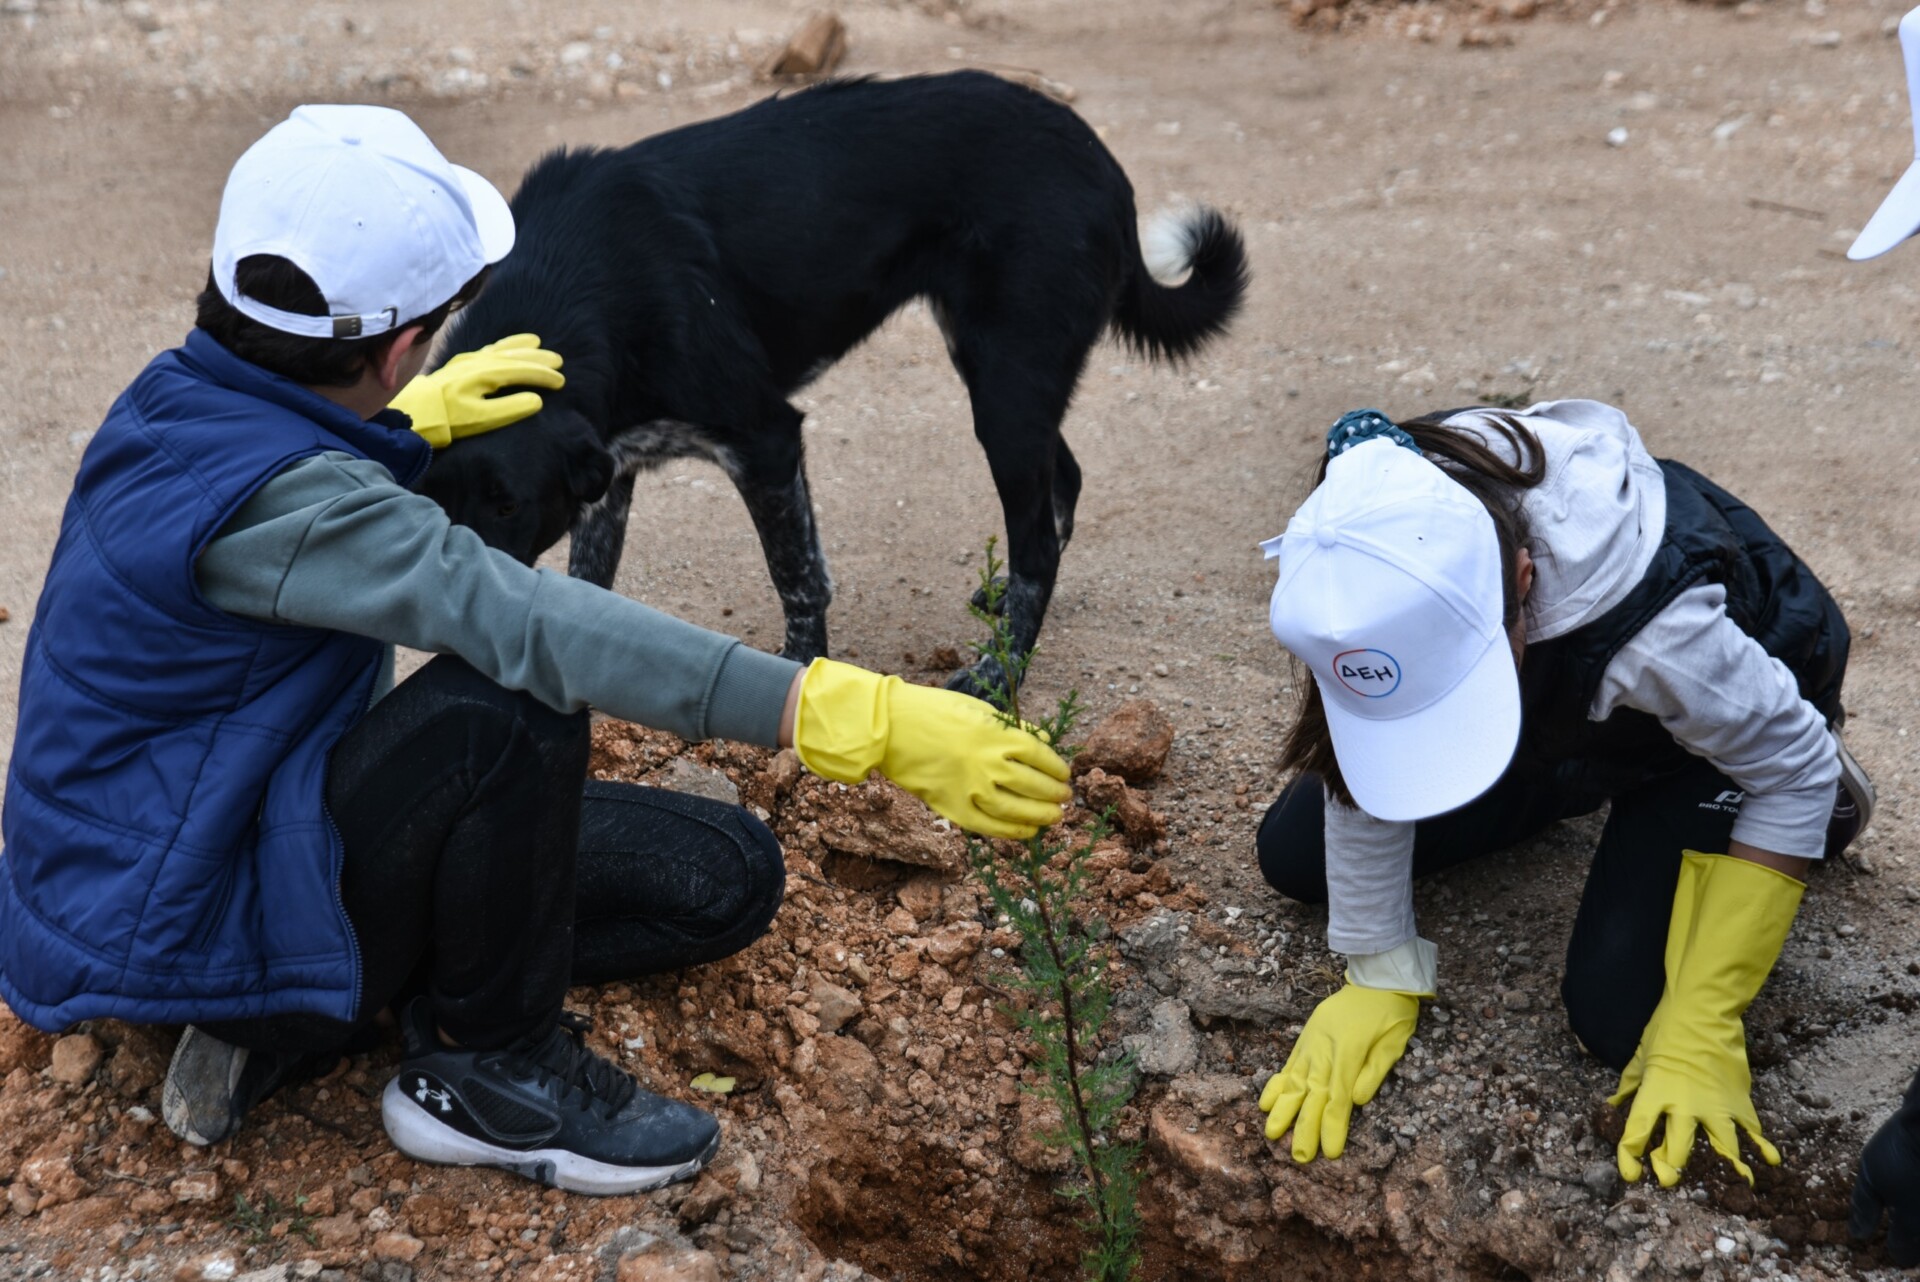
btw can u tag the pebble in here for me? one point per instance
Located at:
(837, 1005)
(196, 1186)
(1617, 136)
(208, 1268)
(1601, 1178)
(397, 1246)
(75, 1057)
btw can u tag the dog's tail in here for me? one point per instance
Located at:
(1167, 318)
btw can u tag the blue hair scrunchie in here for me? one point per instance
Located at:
(1356, 427)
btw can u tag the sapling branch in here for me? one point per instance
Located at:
(1061, 970)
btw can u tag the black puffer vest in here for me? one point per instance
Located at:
(1711, 537)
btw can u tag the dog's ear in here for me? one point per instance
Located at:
(587, 463)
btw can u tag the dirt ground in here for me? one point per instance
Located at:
(1647, 204)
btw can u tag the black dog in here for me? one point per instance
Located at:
(694, 280)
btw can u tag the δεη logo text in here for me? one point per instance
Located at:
(1372, 674)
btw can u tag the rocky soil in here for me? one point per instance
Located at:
(877, 1123)
(1645, 202)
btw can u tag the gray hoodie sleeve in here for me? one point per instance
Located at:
(334, 542)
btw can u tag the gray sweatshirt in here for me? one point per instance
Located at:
(1597, 520)
(334, 542)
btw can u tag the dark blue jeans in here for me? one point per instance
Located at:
(484, 869)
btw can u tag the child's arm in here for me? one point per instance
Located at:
(335, 543)
(1722, 696)
(1355, 1037)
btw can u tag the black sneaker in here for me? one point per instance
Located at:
(546, 1108)
(211, 1084)
(1852, 802)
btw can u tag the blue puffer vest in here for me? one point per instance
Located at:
(167, 855)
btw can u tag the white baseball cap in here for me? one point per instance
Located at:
(1391, 591)
(360, 200)
(1899, 214)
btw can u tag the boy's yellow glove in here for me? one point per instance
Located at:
(946, 748)
(458, 399)
(1351, 1042)
(1730, 919)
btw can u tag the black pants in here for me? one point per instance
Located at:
(1615, 960)
(480, 868)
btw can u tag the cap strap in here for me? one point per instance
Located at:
(1356, 427)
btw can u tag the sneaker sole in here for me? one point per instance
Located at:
(175, 1106)
(425, 1138)
(1858, 786)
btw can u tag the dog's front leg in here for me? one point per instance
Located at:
(782, 512)
(599, 534)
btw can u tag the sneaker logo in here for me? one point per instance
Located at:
(423, 1092)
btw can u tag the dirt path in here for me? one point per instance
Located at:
(1428, 225)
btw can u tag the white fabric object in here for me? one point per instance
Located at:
(1413, 967)
(1390, 590)
(361, 201)
(1899, 214)
(1597, 518)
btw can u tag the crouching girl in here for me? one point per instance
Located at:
(1512, 620)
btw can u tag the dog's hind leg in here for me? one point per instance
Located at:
(1066, 495)
(1019, 432)
(600, 532)
(771, 476)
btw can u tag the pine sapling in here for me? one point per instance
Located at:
(1039, 886)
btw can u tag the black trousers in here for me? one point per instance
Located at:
(1615, 960)
(483, 868)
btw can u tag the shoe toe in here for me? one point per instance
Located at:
(666, 1132)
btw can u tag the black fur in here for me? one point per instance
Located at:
(695, 280)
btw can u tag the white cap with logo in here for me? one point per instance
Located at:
(361, 201)
(1391, 591)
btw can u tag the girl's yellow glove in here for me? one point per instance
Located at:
(458, 399)
(1730, 920)
(1351, 1042)
(946, 748)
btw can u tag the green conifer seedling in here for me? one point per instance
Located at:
(1039, 886)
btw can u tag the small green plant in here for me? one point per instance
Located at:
(255, 1223)
(1038, 885)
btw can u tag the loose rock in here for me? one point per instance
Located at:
(662, 1262)
(697, 780)
(1170, 1047)
(1132, 742)
(837, 1005)
(75, 1057)
(197, 1186)
(884, 821)
(1142, 825)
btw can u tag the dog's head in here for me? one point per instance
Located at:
(519, 488)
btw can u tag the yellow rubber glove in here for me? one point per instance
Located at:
(458, 399)
(1730, 919)
(1351, 1042)
(946, 748)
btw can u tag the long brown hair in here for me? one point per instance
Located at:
(1489, 477)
